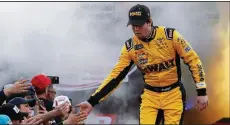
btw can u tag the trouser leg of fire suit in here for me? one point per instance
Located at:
(171, 102)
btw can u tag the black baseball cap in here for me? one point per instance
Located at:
(20, 100)
(138, 15)
(12, 111)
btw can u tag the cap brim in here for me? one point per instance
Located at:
(31, 102)
(128, 23)
(136, 22)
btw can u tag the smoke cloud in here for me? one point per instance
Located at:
(77, 40)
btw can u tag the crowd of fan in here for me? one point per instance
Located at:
(35, 102)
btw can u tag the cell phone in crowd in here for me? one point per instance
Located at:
(70, 101)
(54, 79)
(41, 104)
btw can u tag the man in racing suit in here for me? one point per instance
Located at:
(156, 51)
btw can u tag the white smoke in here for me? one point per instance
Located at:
(49, 38)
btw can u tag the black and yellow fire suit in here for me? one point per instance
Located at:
(158, 59)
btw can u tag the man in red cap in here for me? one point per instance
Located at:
(44, 90)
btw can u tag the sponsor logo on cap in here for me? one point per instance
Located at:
(16, 109)
(138, 13)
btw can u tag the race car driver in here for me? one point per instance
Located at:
(156, 51)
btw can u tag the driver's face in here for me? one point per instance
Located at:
(141, 31)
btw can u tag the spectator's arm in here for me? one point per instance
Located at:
(18, 87)
(59, 111)
(49, 115)
(32, 120)
(2, 97)
(4, 94)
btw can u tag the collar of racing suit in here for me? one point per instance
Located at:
(153, 33)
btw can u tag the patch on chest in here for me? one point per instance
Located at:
(138, 46)
(166, 65)
(161, 43)
(142, 58)
(129, 44)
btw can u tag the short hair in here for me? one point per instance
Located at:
(50, 86)
(39, 91)
(150, 20)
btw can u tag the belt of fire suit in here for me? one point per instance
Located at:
(162, 89)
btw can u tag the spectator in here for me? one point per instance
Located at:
(5, 120)
(44, 90)
(52, 93)
(17, 88)
(70, 117)
(13, 112)
(61, 100)
(23, 104)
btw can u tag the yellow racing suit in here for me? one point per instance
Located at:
(158, 59)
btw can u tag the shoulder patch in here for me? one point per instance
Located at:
(169, 33)
(129, 44)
